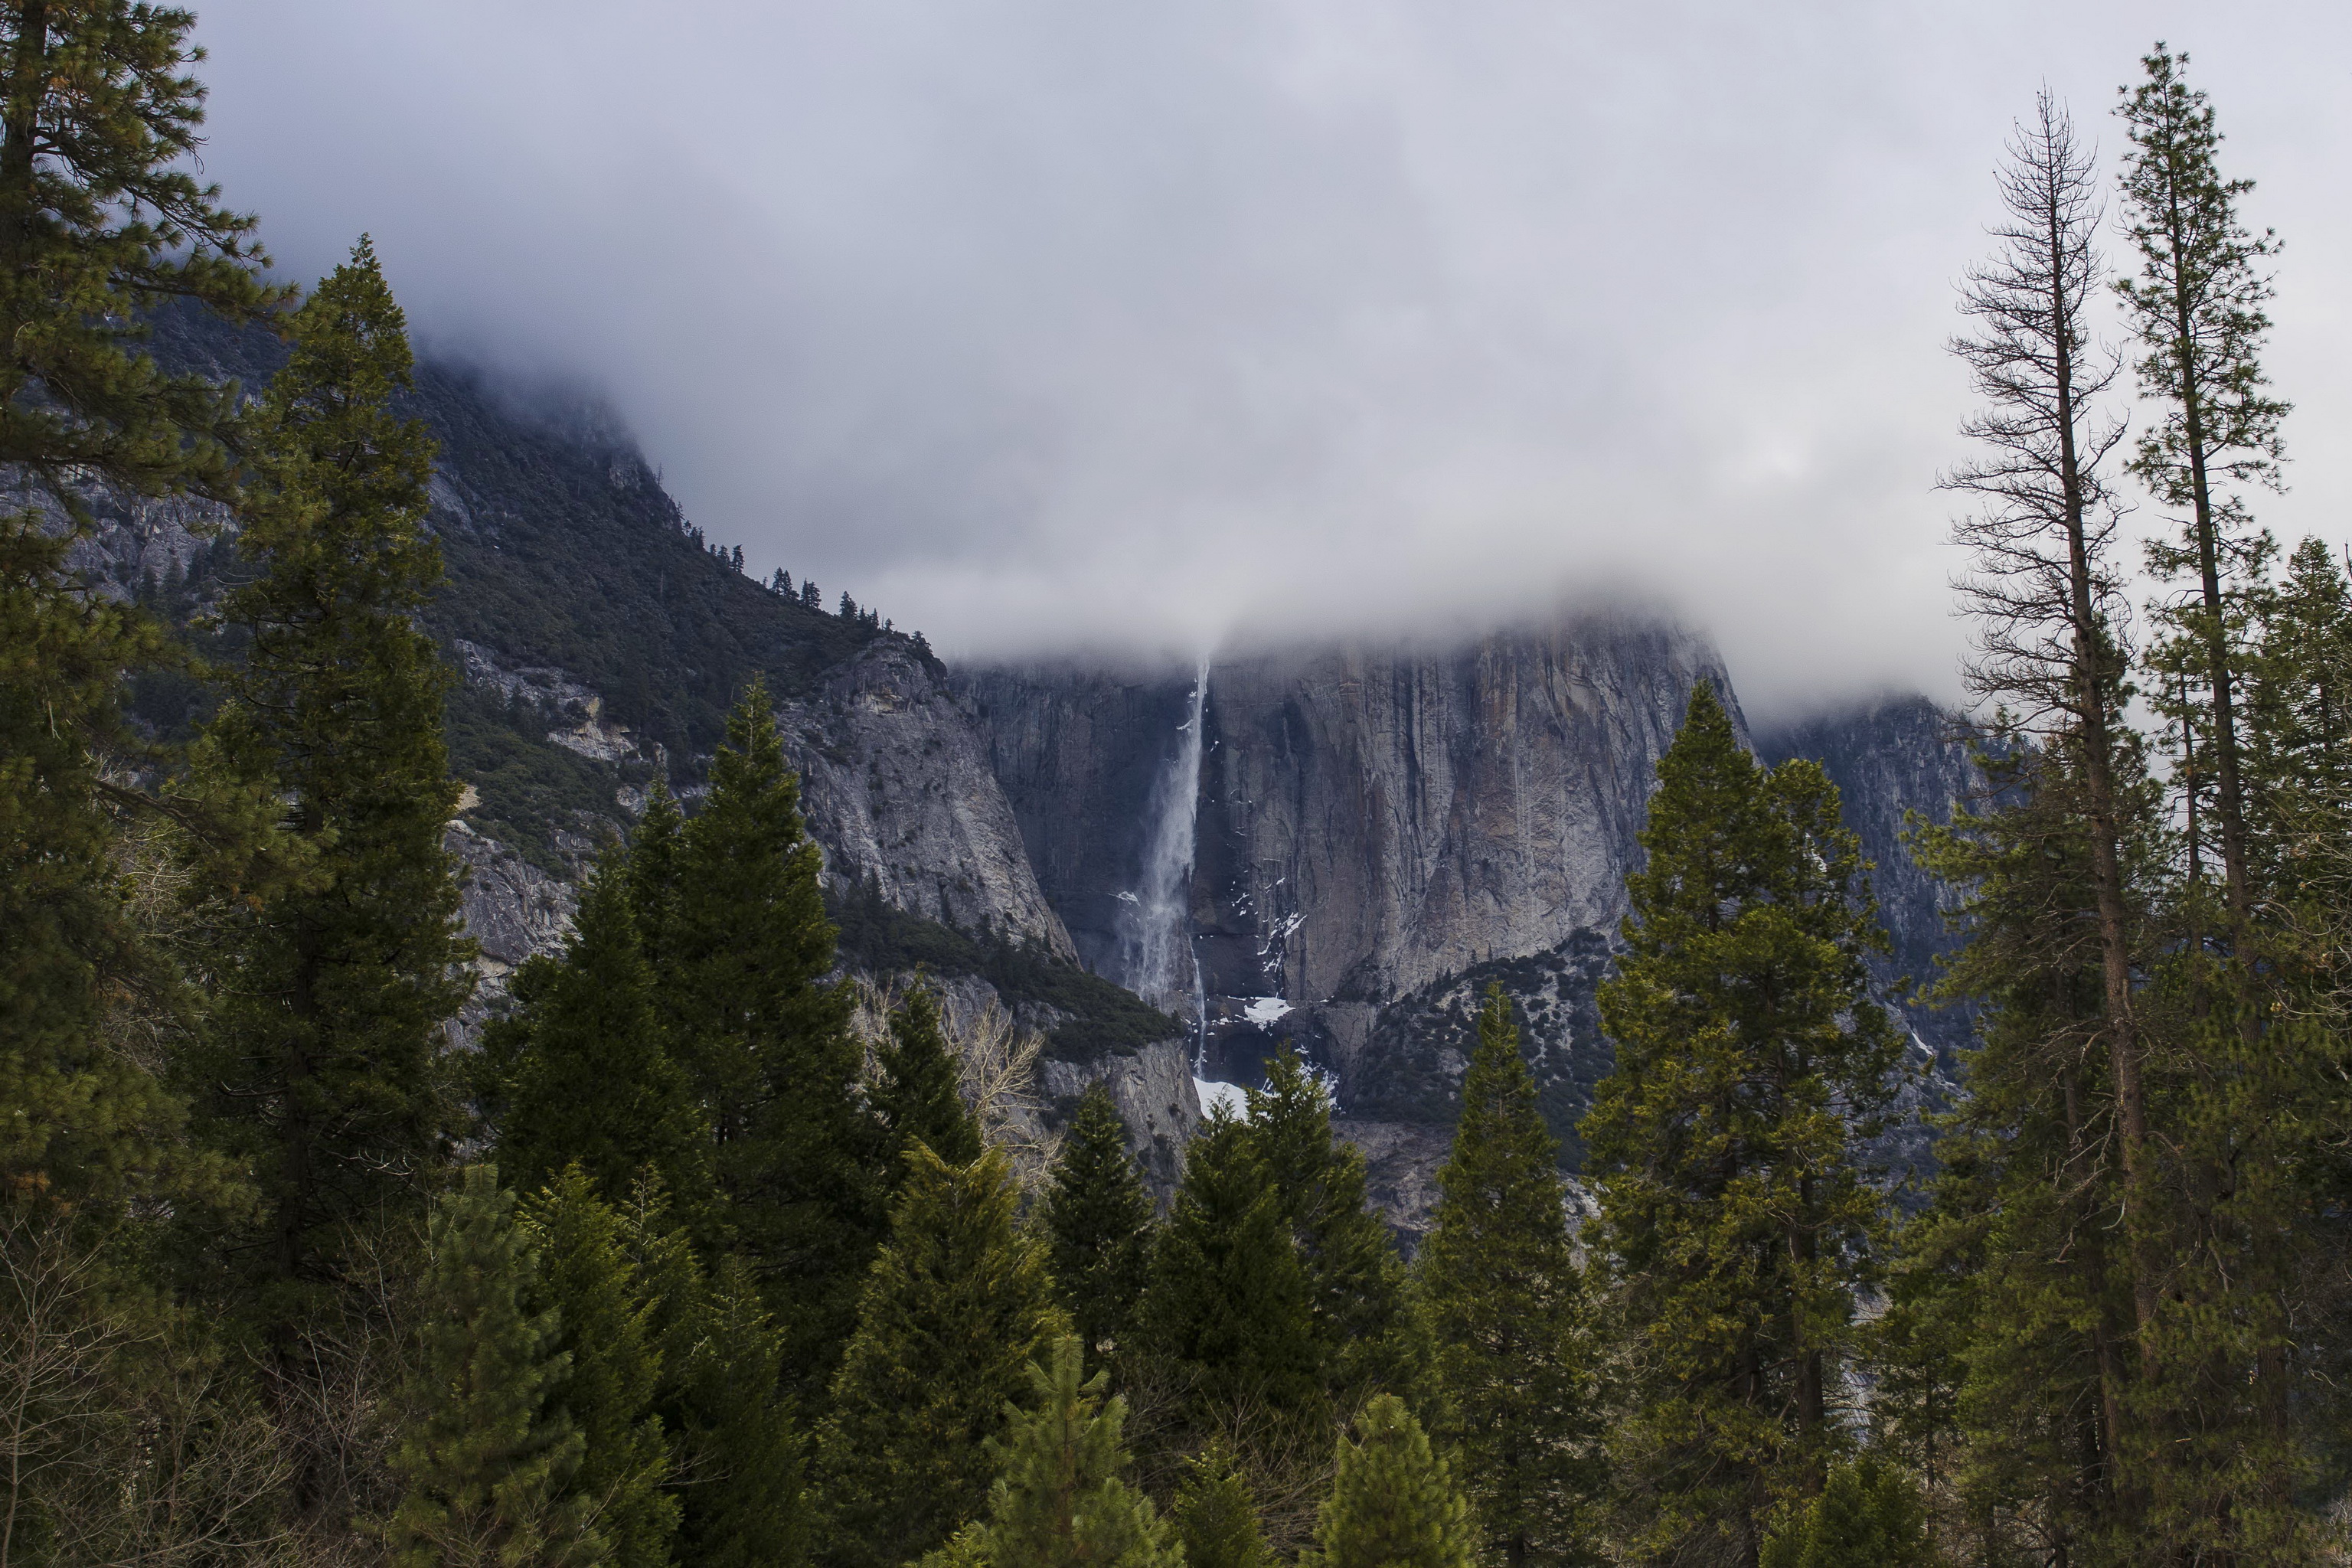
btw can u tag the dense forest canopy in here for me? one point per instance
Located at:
(699, 1254)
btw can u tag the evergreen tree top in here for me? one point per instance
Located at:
(1061, 1499)
(105, 222)
(920, 1093)
(1393, 1502)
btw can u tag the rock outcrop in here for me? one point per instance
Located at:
(513, 910)
(896, 785)
(1375, 819)
(1078, 750)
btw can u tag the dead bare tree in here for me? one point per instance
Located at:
(2044, 590)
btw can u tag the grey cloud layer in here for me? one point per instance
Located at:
(1038, 324)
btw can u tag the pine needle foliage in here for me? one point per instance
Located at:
(743, 1461)
(1061, 1499)
(956, 1306)
(1099, 1220)
(581, 1072)
(321, 1067)
(1510, 1314)
(1393, 1503)
(1735, 1212)
(1364, 1337)
(1867, 1515)
(1215, 1515)
(1228, 1313)
(100, 220)
(742, 964)
(613, 1368)
(487, 1460)
(920, 1097)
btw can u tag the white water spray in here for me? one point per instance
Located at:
(1161, 967)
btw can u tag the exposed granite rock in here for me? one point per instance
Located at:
(1400, 1161)
(1152, 1088)
(1155, 1094)
(895, 784)
(513, 911)
(1078, 752)
(1374, 819)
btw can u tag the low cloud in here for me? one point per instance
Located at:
(1049, 325)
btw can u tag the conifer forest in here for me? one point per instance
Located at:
(705, 1242)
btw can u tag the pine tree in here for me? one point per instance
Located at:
(613, 1371)
(744, 1495)
(101, 222)
(322, 1066)
(1216, 1518)
(652, 882)
(1507, 1307)
(1061, 1499)
(486, 1461)
(800, 1160)
(957, 1305)
(920, 1097)
(2197, 308)
(2300, 735)
(1749, 1055)
(583, 1075)
(1394, 1502)
(2043, 589)
(1226, 1314)
(1868, 1515)
(1365, 1339)
(1100, 1222)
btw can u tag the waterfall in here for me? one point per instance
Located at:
(1161, 967)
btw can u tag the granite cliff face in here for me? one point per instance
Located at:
(1891, 758)
(1377, 832)
(1345, 843)
(1375, 819)
(895, 784)
(1080, 752)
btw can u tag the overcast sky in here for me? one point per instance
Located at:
(1041, 324)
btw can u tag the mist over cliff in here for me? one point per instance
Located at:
(1169, 870)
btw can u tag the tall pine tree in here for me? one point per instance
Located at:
(582, 1072)
(2197, 308)
(321, 1066)
(1365, 1339)
(101, 221)
(2008, 1370)
(1733, 1208)
(745, 1462)
(486, 1459)
(1228, 1314)
(613, 1368)
(1099, 1220)
(741, 966)
(1510, 1314)
(955, 1307)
